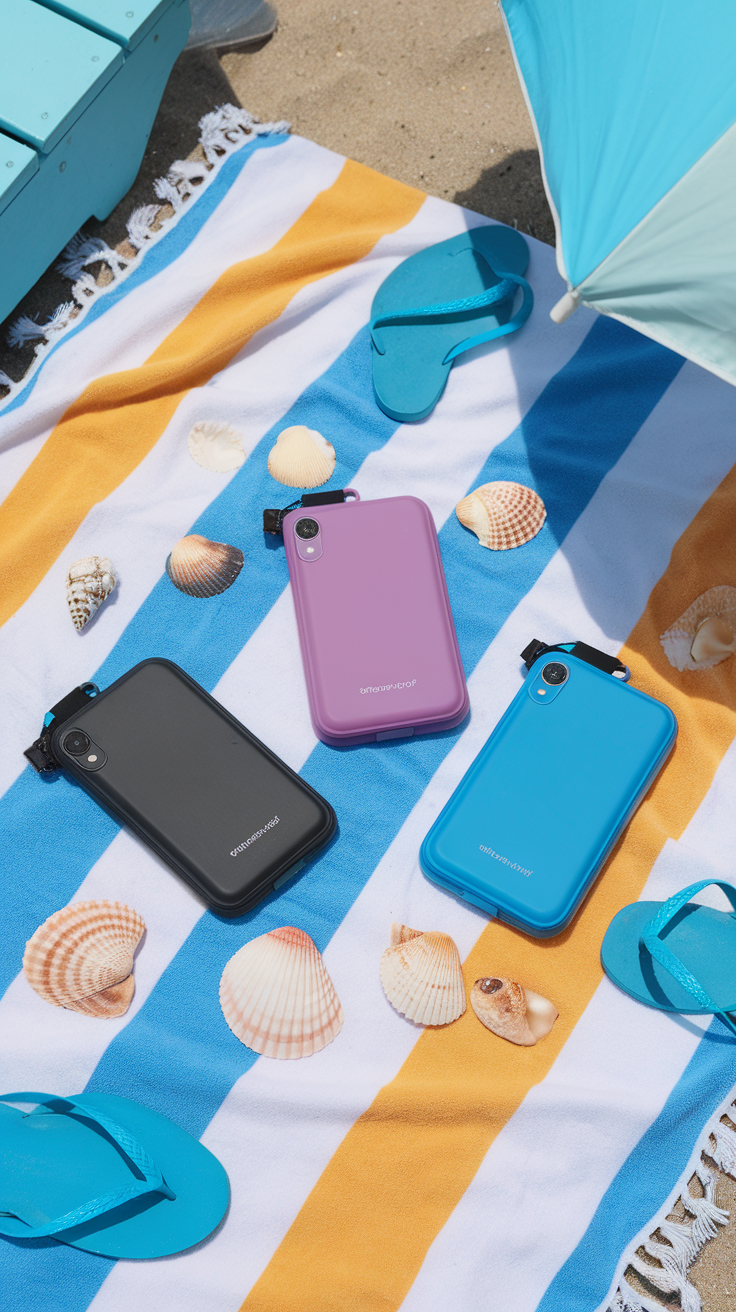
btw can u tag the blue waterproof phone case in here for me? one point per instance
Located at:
(527, 830)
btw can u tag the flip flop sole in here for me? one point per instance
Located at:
(410, 378)
(52, 1163)
(703, 939)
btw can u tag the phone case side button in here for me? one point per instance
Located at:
(394, 733)
(289, 874)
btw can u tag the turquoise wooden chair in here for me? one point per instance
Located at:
(80, 83)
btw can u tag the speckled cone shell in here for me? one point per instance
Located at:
(422, 976)
(502, 515)
(512, 1011)
(89, 582)
(217, 447)
(81, 958)
(693, 644)
(302, 457)
(202, 568)
(277, 997)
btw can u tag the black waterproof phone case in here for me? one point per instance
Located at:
(165, 758)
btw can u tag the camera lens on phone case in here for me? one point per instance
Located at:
(554, 673)
(306, 528)
(76, 743)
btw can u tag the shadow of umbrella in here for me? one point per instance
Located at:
(512, 192)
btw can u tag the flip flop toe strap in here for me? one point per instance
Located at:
(651, 941)
(152, 1182)
(501, 291)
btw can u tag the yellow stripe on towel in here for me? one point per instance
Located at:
(364, 1230)
(116, 421)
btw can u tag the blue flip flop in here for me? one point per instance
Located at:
(676, 955)
(106, 1175)
(437, 304)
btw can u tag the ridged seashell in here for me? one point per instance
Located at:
(89, 582)
(81, 958)
(277, 997)
(511, 1011)
(302, 457)
(502, 515)
(706, 633)
(422, 976)
(216, 446)
(202, 568)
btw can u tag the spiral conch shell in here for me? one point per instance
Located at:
(706, 633)
(422, 976)
(277, 997)
(81, 958)
(502, 515)
(202, 568)
(511, 1011)
(302, 457)
(89, 582)
(216, 446)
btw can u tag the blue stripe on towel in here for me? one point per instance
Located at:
(160, 256)
(647, 1177)
(184, 1060)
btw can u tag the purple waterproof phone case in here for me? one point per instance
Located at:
(378, 641)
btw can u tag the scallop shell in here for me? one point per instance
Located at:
(302, 457)
(89, 582)
(277, 997)
(502, 515)
(422, 976)
(706, 633)
(214, 446)
(512, 1011)
(202, 568)
(81, 958)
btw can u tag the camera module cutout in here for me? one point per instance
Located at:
(548, 682)
(308, 535)
(83, 750)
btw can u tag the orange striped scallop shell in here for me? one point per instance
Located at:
(277, 996)
(81, 958)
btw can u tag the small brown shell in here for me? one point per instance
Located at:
(81, 958)
(422, 976)
(512, 1011)
(502, 515)
(89, 582)
(705, 633)
(201, 568)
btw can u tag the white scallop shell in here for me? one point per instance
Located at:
(81, 958)
(422, 976)
(302, 457)
(692, 643)
(502, 515)
(89, 582)
(277, 997)
(201, 568)
(214, 446)
(512, 1011)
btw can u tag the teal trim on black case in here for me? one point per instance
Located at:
(530, 825)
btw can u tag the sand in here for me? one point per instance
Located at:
(419, 89)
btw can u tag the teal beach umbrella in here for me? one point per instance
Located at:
(634, 107)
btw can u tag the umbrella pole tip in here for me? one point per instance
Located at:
(565, 307)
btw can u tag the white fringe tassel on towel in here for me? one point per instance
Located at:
(222, 132)
(684, 1240)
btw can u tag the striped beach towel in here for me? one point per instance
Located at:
(425, 1170)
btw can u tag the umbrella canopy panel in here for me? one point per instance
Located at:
(634, 108)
